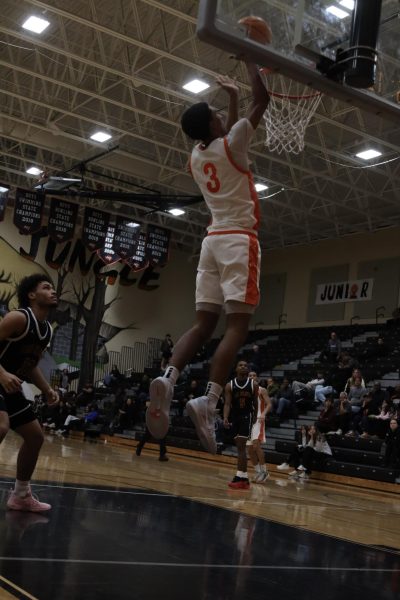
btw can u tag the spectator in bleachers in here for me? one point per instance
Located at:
(86, 395)
(378, 424)
(343, 414)
(392, 446)
(351, 380)
(90, 418)
(346, 361)
(255, 359)
(322, 392)
(315, 454)
(301, 389)
(272, 388)
(192, 390)
(377, 349)
(326, 422)
(143, 389)
(395, 396)
(294, 458)
(285, 398)
(356, 393)
(332, 349)
(166, 351)
(64, 380)
(378, 396)
(127, 414)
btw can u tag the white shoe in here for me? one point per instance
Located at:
(283, 467)
(339, 432)
(262, 477)
(203, 417)
(157, 414)
(301, 468)
(294, 473)
(303, 476)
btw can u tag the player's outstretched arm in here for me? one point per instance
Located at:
(230, 87)
(260, 95)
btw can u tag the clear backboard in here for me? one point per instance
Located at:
(307, 36)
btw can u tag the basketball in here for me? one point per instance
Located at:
(257, 29)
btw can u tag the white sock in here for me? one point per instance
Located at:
(244, 475)
(21, 488)
(213, 392)
(239, 474)
(263, 468)
(258, 468)
(172, 374)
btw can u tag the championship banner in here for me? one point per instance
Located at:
(95, 226)
(125, 237)
(28, 211)
(157, 247)
(62, 220)
(139, 261)
(107, 254)
(3, 201)
(344, 291)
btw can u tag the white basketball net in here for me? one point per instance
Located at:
(289, 112)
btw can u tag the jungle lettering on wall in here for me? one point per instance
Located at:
(57, 254)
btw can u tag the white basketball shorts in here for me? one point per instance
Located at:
(229, 269)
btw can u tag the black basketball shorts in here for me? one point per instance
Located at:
(18, 408)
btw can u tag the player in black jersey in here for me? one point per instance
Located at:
(24, 335)
(240, 406)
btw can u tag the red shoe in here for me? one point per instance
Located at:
(239, 484)
(28, 503)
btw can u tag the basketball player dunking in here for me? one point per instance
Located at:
(229, 265)
(257, 436)
(240, 406)
(24, 335)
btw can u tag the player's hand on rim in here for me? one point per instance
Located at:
(227, 84)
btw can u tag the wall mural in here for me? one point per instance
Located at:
(119, 255)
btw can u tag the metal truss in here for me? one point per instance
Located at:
(120, 67)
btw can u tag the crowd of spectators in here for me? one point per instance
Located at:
(116, 405)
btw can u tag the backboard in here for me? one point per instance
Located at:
(306, 36)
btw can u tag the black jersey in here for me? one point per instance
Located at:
(244, 400)
(21, 354)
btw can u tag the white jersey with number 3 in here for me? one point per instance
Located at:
(221, 172)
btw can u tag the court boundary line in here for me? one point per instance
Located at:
(189, 498)
(191, 565)
(14, 586)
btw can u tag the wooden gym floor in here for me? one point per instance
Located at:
(128, 527)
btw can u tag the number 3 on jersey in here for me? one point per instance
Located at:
(213, 184)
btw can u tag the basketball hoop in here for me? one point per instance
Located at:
(289, 112)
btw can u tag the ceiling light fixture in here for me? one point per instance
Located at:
(337, 12)
(349, 4)
(368, 154)
(260, 187)
(35, 24)
(176, 212)
(33, 171)
(100, 136)
(195, 86)
(3, 190)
